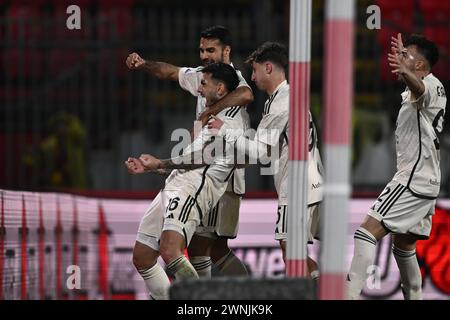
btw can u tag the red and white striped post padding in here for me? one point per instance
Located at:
(338, 87)
(299, 79)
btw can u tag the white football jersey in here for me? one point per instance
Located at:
(189, 80)
(315, 166)
(276, 116)
(212, 181)
(418, 124)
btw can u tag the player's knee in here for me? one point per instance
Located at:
(374, 227)
(171, 246)
(221, 244)
(220, 249)
(200, 246)
(142, 261)
(144, 256)
(405, 242)
(138, 262)
(169, 253)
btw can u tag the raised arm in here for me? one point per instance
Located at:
(242, 96)
(161, 70)
(397, 63)
(197, 157)
(187, 162)
(135, 166)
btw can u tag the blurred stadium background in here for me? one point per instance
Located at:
(71, 112)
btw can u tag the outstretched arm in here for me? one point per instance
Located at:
(135, 166)
(241, 96)
(397, 63)
(161, 70)
(187, 162)
(253, 149)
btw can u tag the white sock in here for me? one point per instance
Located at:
(363, 258)
(230, 265)
(409, 273)
(202, 265)
(181, 268)
(315, 275)
(156, 281)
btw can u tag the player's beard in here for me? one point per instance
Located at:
(207, 62)
(212, 99)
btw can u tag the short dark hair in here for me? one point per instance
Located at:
(270, 51)
(425, 47)
(217, 32)
(224, 73)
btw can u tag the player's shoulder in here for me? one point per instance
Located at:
(436, 90)
(432, 81)
(234, 117)
(239, 73)
(280, 101)
(284, 93)
(231, 113)
(242, 81)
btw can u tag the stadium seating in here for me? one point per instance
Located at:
(440, 36)
(23, 23)
(61, 60)
(396, 16)
(115, 24)
(435, 12)
(116, 3)
(23, 63)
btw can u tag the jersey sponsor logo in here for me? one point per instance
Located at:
(316, 186)
(435, 182)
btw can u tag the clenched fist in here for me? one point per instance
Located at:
(134, 61)
(149, 162)
(134, 166)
